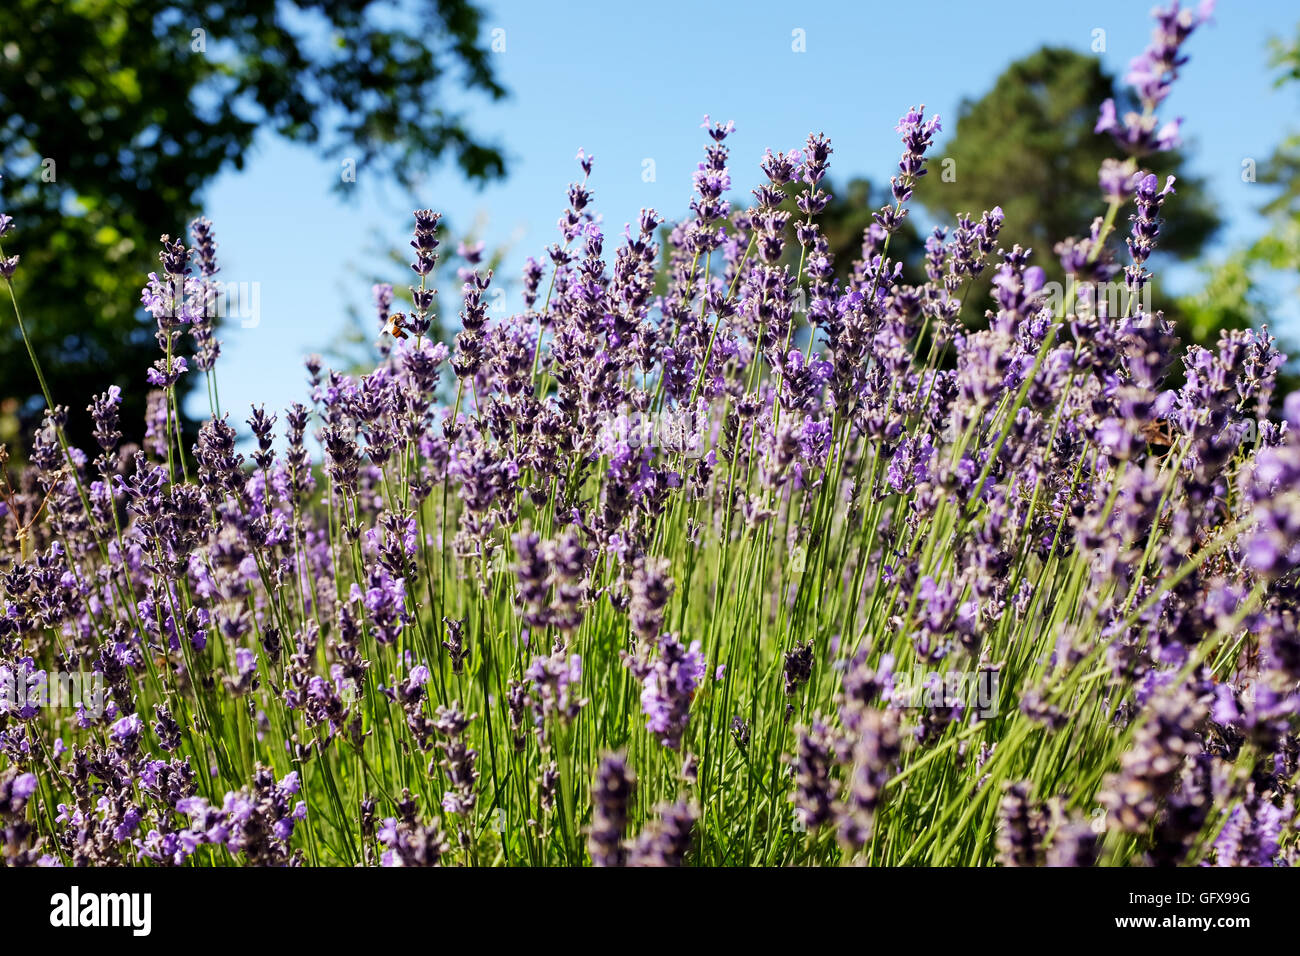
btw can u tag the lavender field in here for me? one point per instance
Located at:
(705, 557)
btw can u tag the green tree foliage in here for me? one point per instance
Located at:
(114, 115)
(1028, 145)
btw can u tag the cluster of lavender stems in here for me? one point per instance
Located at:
(448, 613)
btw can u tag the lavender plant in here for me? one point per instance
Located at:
(894, 591)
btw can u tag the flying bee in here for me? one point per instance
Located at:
(396, 325)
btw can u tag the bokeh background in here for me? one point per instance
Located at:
(308, 132)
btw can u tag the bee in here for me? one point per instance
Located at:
(1158, 433)
(25, 538)
(396, 325)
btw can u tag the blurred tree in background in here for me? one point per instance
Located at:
(1028, 145)
(114, 115)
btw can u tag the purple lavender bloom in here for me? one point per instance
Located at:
(917, 134)
(813, 762)
(127, 732)
(383, 295)
(385, 602)
(23, 786)
(556, 683)
(1151, 74)
(1252, 836)
(103, 410)
(611, 797)
(1020, 828)
(164, 375)
(410, 844)
(669, 680)
(667, 840)
(1146, 224)
(651, 587)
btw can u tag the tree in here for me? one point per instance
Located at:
(113, 116)
(1028, 145)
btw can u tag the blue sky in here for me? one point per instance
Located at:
(631, 82)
